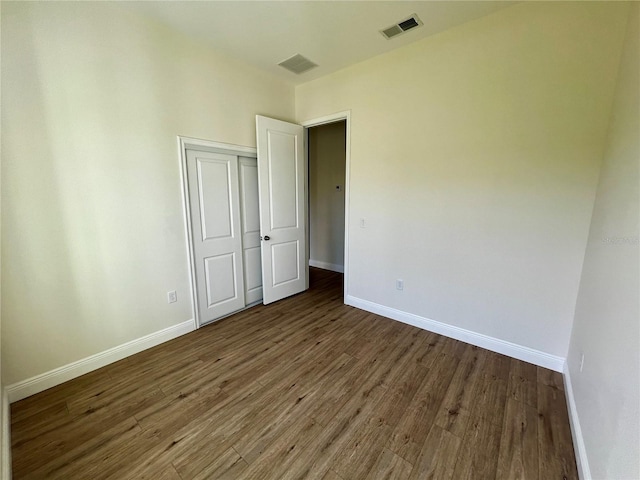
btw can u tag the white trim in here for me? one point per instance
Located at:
(584, 472)
(194, 143)
(520, 352)
(39, 383)
(336, 117)
(185, 143)
(184, 190)
(305, 182)
(334, 267)
(5, 441)
(331, 118)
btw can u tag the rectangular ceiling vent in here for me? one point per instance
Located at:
(399, 28)
(297, 64)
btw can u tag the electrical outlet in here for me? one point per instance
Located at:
(172, 296)
(400, 284)
(581, 362)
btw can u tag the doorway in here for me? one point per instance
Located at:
(327, 172)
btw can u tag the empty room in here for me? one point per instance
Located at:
(331, 240)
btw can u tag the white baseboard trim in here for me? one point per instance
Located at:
(5, 441)
(334, 267)
(520, 352)
(39, 383)
(584, 472)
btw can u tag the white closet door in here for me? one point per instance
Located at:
(217, 239)
(250, 219)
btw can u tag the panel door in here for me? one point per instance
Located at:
(217, 238)
(282, 194)
(250, 224)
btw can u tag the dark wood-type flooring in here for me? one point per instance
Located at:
(305, 388)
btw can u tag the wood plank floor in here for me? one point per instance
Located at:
(307, 388)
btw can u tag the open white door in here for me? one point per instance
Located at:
(282, 192)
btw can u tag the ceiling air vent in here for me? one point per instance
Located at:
(297, 64)
(399, 28)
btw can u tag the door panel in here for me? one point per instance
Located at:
(220, 279)
(215, 209)
(215, 199)
(282, 194)
(249, 190)
(251, 229)
(283, 188)
(284, 258)
(253, 274)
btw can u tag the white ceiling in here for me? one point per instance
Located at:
(333, 34)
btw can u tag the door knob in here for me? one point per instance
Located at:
(267, 237)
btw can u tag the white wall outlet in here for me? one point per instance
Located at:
(172, 296)
(581, 362)
(363, 223)
(400, 284)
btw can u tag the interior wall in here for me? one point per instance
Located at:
(606, 329)
(327, 163)
(93, 237)
(474, 162)
(5, 449)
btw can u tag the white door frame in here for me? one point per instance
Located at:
(315, 122)
(185, 143)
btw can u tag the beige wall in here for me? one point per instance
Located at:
(327, 157)
(92, 225)
(474, 160)
(5, 449)
(607, 318)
